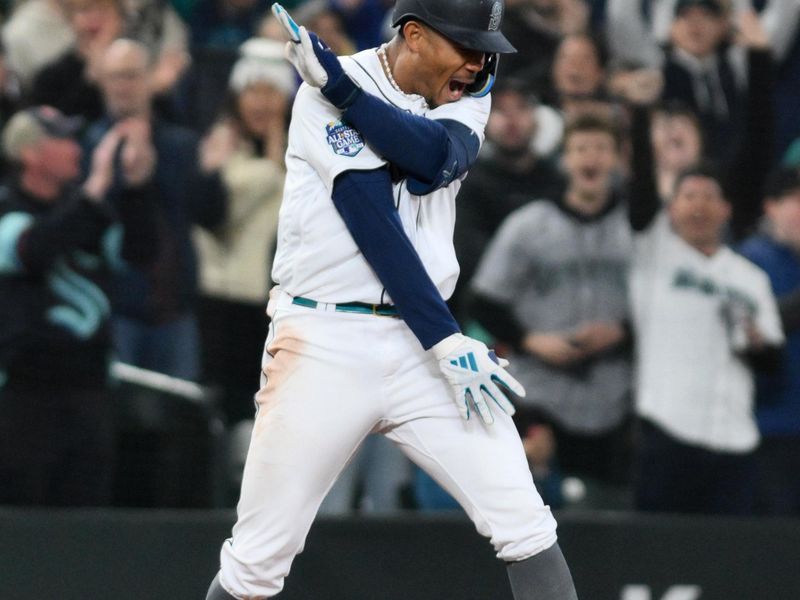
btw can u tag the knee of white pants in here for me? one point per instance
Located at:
(533, 534)
(250, 580)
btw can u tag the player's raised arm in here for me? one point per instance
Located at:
(431, 152)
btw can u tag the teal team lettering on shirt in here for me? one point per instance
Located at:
(685, 278)
(549, 277)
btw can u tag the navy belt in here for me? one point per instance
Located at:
(381, 310)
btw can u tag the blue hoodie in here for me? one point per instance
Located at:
(778, 409)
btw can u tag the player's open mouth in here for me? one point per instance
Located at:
(456, 88)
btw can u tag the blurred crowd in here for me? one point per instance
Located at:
(629, 238)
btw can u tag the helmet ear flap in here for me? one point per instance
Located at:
(485, 80)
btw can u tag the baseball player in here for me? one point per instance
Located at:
(361, 340)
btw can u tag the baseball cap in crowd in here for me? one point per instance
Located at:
(29, 126)
(262, 61)
(714, 6)
(782, 181)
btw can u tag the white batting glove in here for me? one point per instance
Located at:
(299, 51)
(301, 54)
(317, 65)
(474, 372)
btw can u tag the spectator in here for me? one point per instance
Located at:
(636, 36)
(578, 69)
(535, 28)
(552, 286)
(578, 78)
(36, 34)
(704, 320)
(677, 144)
(683, 418)
(59, 244)
(507, 175)
(155, 326)
(70, 82)
(676, 132)
(699, 72)
(155, 24)
(678, 141)
(777, 251)
(247, 144)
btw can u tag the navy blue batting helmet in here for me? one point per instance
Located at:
(473, 24)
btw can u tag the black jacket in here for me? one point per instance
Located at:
(56, 259)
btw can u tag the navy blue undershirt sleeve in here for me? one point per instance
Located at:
(431, 153)
(462, 152)
(364, 200)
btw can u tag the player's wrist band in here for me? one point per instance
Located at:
(380, 310)
(342, 92)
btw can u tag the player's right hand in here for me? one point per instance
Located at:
(476, 375)
(315, 62)
(302, 55)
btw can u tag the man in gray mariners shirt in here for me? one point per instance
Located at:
(552, 286)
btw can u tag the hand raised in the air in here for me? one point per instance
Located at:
(476, 374)
(315, 62)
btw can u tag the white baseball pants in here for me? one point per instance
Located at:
(331, 379)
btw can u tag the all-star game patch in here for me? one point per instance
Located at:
(343, 139)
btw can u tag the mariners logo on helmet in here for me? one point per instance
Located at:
(496, 16)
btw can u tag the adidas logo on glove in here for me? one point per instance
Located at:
(477, 376)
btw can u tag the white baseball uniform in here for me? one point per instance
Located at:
(330, 378)
(690, 381)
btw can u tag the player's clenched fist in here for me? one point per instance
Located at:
(476, 374)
